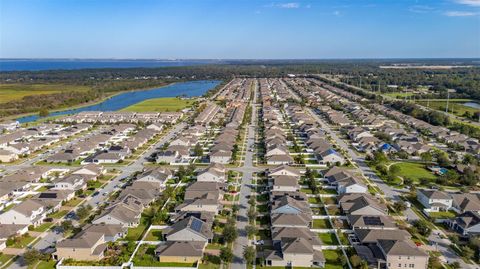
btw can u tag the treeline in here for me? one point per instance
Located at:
(38, 102)
(466, 81)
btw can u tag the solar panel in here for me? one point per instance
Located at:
(373, 221)
(48, 195)
(196, 225)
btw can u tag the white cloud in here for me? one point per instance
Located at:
(459, 13)
(289, 5)
(336, 13)
(474, 3)
(421, 9)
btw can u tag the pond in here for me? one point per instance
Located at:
(472, 105)
(123, 100)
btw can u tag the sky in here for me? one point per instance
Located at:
(239, 29)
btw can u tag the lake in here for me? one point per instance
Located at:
(472, 105)
(123, 100)
(57, 64)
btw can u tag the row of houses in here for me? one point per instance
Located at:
(191, 231)
(275, 136)
(32, 211)
(113, 222)
(113, 117)
(24, 141)
(466, 205)
(291, 219)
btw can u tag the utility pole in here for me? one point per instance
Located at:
(448, 97)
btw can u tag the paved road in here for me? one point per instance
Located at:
(245, 190)
(50, 238)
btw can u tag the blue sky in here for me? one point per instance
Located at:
(239, 29)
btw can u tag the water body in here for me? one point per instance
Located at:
(53, 64)
(123, 100)
(472, 105)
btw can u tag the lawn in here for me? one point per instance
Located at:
(43, 265)
(154, 235)
(136, 233)
(43, 227)
(398, 94)
(160, 105)
(321, 224)
(328, 238)
(443, 215)
(331, 257)
(4, 258)
(13, 92)
(414, 171)
(22, 241)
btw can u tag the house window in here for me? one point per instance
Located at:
(411, 265)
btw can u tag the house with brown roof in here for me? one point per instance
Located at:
(434, 200)
(400, 254)
(180, 251)
(88, 246)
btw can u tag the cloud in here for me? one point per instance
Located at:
(289, 5)
(460, 13)
(474, 3)
(336, 13)
(421, 9)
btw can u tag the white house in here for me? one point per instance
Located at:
(27, 212)
(434, 200)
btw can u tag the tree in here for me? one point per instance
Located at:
(198, 151)
(455, 265)
(467, 252)
(251, 230)
(32, 256)
(249, 254)
(422, 227)
(66, 225)
(226, 254)
(43, 113)
(399, 206)
(84, 211)
(229, 233)
(251, 214)
(426, 157)
(356, 261)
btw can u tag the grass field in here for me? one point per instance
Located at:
(456, 104)
(160, 105)
(398, 94)
(414, 171)
(12, 92)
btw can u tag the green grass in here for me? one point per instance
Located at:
(328, 238)
(43, 227)
(13, 92)
(398, 94)
(331, 257)
(457, 105)
(208, 265)
(136, 233)
(43, 265)
(414, 171)
(58, 214)
(321, 224)
(443, 215)
(4, 258)
(160, 105)
(154, 235)
(22, 241)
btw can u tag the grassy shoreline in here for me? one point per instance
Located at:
(13, 117)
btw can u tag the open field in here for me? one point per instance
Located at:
(398, 94)
(454, 104)
(12, 92)
(160, 105)
(414, 171)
